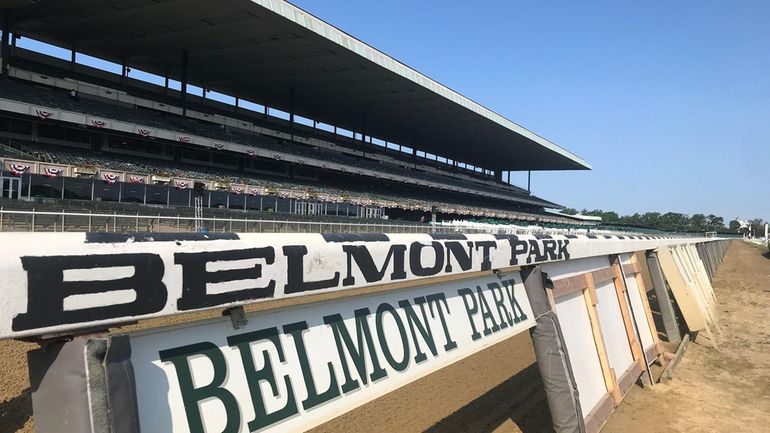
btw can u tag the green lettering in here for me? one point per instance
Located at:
(313, 397)
(381, 310)
(191, 395)
(254, 377)
(423, 326)
(355, 351)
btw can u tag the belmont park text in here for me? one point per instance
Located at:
(371, 345)
(183, 281)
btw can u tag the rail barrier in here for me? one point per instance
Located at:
(66, 221)
(429, 301)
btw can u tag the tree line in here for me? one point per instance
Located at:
(674, 221)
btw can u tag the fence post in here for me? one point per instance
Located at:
(62, 221)
(664, 301)
(1, 218)
(177, 223)
(90, 215)
(33, 219)
(115, 222)
(137, 221)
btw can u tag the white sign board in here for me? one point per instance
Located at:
(63, 282)
(295, 368)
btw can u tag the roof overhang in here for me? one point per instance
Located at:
(268, 50)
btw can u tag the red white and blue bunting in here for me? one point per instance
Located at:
(110, 177)
(18, 169)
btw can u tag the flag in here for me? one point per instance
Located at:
(110, 177)
(53, 171)
(180, 184)
(18, 169)
(43, 114)
(136, 179)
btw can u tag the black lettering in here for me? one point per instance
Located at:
(518, 247)
(486, 246)
(360, 254)
(549, 249)
(415, 259)
(457, 250)
(46, 288)
(195, 277)
(534, 255)
(295, 274)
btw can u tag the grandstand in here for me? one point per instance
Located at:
(272, 109)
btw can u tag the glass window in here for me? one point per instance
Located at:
(179, 197)
(77, 188)
(43, 186)
(236, 201)
(104, 191)
(133, 193)
(157, 194)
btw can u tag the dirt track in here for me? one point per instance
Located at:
(726, 391)
(717, 391)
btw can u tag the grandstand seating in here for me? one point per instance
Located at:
(87, 105)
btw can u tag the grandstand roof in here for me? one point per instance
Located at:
(260, 50)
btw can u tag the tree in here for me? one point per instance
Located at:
(734, 226)
(569, 211)
(698, 223)
(715, 223)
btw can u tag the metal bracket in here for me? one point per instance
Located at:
(237, 316)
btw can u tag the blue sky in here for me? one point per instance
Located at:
(669, 101)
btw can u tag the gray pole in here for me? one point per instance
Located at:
(552, 358)
(664, 300)
(4, 48)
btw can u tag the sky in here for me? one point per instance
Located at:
(669, 101)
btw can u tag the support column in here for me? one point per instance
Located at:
(552, 358)
(183, 96)
(291, 115)
(664, 300)
(529, 181)
(73, 58)
(5, 49)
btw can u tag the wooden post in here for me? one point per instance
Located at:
(620, 292)
(646, 305)
(610, 380)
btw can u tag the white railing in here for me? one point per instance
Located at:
(47, 221)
